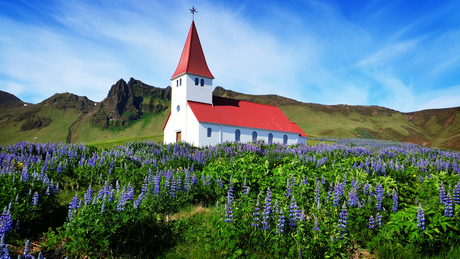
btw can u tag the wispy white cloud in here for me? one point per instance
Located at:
(312, 51)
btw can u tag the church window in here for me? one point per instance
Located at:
(254, 136)
(177, 83)
(237, 135)
(285, 139)
(270, 138)
(180, 81)
(178, 108)
(209, 132)
(202, 82)
(196, 80)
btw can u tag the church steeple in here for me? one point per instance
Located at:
(192, 60)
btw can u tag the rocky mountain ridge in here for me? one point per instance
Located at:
(132, 102)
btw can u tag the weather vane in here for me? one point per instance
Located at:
(193, 11)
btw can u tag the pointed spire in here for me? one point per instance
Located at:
(192, 59)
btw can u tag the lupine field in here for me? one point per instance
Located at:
(348, 198)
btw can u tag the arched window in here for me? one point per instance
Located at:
(285, 139)
(237, 135)
(177, 83)
(209, 132)
(270, 138)
(202, 82)
(180, 81)
(254, 136)
(196, 80)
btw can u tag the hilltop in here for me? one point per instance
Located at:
(134, 109)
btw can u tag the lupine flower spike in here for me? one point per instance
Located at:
(420, 218)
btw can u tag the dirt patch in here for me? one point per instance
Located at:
(417, 138)
(181, 215)
(452, 143)
(449, 121)
(362, 253)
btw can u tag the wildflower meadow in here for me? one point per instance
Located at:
(335, 199)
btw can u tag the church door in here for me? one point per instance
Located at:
(178, 136)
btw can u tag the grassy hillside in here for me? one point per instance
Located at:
(70, 118)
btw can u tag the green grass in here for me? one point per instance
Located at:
(109, 143)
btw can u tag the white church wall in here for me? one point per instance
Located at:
(198, 93)
(214, 139)
(192, 128)
(226, 133)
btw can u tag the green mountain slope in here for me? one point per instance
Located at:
(134, 110)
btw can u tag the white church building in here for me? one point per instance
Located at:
(201, 119)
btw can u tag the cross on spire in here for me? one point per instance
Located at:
(193, 11)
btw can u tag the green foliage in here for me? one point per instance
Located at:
(178, 199)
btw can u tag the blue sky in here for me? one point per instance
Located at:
(404, 55)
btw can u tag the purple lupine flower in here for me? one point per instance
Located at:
(378, 220)
(194, 179)
(27, 250)
(173, 187)
(178, 183)
(288, 191)
(379, 195)
(304, 180)
(6, 252)
(103, 208)
(448, 206)
(203, 179)
(281, 221)
(323, 181)
(245, 188)
(157, 184)
(457, 193)
(73, 205)
(59, 168)
(420, 218)
(145, 185)
(292, 180)
(302, 215)
(267, 210)
(208, 180)
(371, 222)
(6, 222)
(316, 227)
(294, 213)
(187, 181)
(138, 202)
(255, 219)
(336, 194)
(353, 197)
(343, 216)
(111, 191)
(366, 188)
(395, 201)
(47, 192)
(442, 193)
(318, 193)
(228, 209)
(88, 195)
(354, 183)
(122, 201)
(329, 192)
(35, 199)
(129, 192)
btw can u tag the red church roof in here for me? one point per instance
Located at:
(244, 114)
(192, 59)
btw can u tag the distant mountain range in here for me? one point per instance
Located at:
(135, 110)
